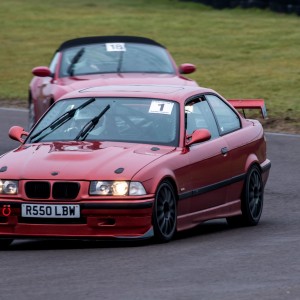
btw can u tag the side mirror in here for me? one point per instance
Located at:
(16, 133)
(42, 72)
(198, 136)
(187, 68)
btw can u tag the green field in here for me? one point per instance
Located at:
(240, 53)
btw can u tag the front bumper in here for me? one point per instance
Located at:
(97, 220)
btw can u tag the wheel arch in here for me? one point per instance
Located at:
(164, 214)
(247, 218)
(170, 180)
(251, 161)
(153, 177)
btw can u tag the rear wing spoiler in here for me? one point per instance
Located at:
(249, 104)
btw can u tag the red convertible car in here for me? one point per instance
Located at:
(102, 60)
(133, 161)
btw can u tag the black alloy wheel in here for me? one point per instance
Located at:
(164, 216)
(252, 200)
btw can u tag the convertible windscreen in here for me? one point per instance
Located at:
(115, 58)
(133, 120)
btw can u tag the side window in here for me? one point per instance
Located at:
(228, 120)
(199, 115)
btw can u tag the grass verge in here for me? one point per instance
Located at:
(240, 53)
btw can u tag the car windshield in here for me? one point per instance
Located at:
(115, 58)
(133, 120)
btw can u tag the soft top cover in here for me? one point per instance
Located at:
(107, 39)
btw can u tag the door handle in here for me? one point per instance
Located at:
(224, 151)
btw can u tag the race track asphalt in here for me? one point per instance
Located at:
(210, 262)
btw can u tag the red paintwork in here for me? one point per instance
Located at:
(16, 133)
(198, 136)
(249, 104)
(41, 72)
(187, 166)
(45, 89)
(187, 68)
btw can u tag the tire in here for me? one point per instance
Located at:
(164, 217)
(4, 243)
(31, 114)
(252, 200)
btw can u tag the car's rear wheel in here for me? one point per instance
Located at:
(252, 200)
(164, 216)
(4, 243)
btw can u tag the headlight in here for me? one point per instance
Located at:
(116, 188)
(8, 187)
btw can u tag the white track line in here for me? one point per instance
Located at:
(283, 134)
(14, 109)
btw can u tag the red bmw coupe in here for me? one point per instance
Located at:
(102, 60)
(133, 161)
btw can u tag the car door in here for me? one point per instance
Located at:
(209, 162)
(236, 139)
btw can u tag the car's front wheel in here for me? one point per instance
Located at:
(252, 200)
(164, 216)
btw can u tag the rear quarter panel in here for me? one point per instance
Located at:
(246, 147)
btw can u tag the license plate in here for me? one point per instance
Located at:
(50, 211)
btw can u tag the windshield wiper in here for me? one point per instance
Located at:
(90, 125)
(120, 63)
(74, 61)
(60, 121)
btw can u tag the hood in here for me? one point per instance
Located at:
(79, 160)
(86, 81)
